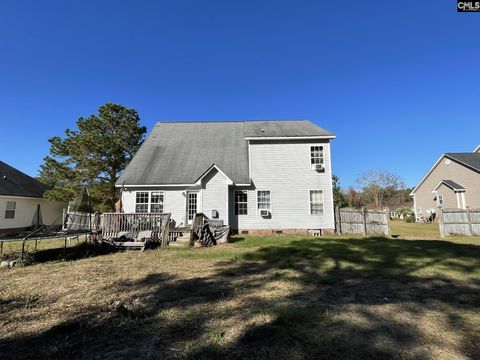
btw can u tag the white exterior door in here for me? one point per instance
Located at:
(192, 205)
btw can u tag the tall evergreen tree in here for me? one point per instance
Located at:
(94, 154)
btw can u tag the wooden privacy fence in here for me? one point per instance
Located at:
(362, 221)
(459, 222)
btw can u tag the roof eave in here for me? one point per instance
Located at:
(290, 137)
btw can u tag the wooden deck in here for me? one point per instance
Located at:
(135, 230)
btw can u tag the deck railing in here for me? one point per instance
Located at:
(113, 224)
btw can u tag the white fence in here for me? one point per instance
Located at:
(464, 222)
(362, 221)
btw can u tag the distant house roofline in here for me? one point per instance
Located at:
(427, 174)
(14, 182)
(452, 157)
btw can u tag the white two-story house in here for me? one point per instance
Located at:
(257, 176)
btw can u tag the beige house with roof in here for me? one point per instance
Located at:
(452, 182)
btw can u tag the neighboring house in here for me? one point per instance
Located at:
(452, 182)
(256, 176)
(20, 198)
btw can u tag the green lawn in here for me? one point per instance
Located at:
(264, 298)
(414, 230)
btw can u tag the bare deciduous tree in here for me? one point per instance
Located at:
(376, 185)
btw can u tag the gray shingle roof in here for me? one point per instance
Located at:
(13, 182)
(453, 185)
(288, 128)
(471, 160)
(180, 152)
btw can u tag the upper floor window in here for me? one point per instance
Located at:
(156, 202)
(263, 199)
(141, 202)
(440, 200)
(10, 210)
(241, 203)
(316, 202)
(316, 156)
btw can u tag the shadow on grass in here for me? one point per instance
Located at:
(71, 253)
(353, 299)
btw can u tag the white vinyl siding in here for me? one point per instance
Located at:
(212, 194)
(284, 168)
(215, 195)
(173, 201)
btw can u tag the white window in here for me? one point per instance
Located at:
(141, 202)
(263, 199)
(316, 202)
(149, 201)
(241, 202)
(156, 202)
(10, 211)
(316, 155)
(440, 200)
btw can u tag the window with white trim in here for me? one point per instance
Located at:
(316, 202)
(141, 202)
(156, 202)
(440, 201)
(263, 199)
(241, 202)
(10, 210)
(316, 155)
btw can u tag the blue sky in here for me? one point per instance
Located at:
(398, 82)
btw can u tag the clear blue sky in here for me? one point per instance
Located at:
(398, 82)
